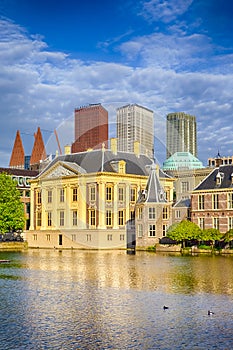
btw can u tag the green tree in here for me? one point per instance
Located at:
(12, 216)
(184, 230)
(211, 234)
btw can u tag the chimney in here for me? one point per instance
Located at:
(113, 144)
(67, 149)
(137, 148)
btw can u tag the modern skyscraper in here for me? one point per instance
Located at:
(181, 133)
(135, 123)
(91, 128)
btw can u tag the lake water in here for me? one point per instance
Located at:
(113, 300)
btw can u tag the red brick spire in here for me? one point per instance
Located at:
(38, 151)
(17, 155)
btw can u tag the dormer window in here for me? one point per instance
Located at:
(219, 178)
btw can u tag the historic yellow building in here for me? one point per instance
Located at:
(85, 200)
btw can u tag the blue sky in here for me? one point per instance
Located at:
(167, 55)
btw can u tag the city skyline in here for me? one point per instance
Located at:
(169, 56)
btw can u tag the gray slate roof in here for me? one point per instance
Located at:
(99, 160)
(210, 182)
(154, 192)
(183, 203)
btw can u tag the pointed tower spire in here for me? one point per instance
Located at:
(38, 151)
(154, 192)
(17, 155)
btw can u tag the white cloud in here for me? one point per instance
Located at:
(42, 88)
(164, 10)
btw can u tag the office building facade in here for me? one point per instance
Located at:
(181, 133)
(135, 123)
(91, 128)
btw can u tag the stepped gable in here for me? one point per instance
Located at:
(38, 151)
(221, 177)
(17, 155)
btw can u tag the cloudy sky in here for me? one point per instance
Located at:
(167, 55)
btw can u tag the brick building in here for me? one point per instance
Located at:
(212, 200)
(91, 128)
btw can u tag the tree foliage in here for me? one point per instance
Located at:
(184, 230)
(12, 216)
(211, 234)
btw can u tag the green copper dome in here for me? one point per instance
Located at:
(182, 161)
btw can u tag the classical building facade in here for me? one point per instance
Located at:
(181, 133)
(86, 199)
(91, 128)
(135, 123)
(212, 200)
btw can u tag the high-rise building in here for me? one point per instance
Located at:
(181, 133)
(91, 128)
(135, 123)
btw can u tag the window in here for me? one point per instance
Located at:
(151, 213)
(38, 219)
(49, 218)
(49, 196)
(109, 237)
(230, 200)
(121, 217)
(75, 218)
(184, 187)
(39, 197)
(165, 213)
(133, 195)
(120, 194)
(108, 193)
(62, 195)
(140, 230)
(215, 201)
(73, 238)
(132, 214)
(92, 217)
(164, 230)
(75, 194)
(202, 223)
(152, 230)
(34, 237)
(122, 237)
(88, 237)
(108, 218)
(216, 223)
(62, 218)
(140, 213)
(92, 193)
(48, 237)
(177, 214)
(230, 223)
(201, 202)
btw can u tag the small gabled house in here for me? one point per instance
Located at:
(153, 210)
(212, 200)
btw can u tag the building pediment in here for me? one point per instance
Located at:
(61, 170)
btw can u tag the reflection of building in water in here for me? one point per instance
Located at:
(84, 200)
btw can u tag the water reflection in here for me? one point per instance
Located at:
(108, 299)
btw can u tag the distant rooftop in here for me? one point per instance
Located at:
(182, 161)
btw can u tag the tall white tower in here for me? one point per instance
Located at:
(135, 123)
